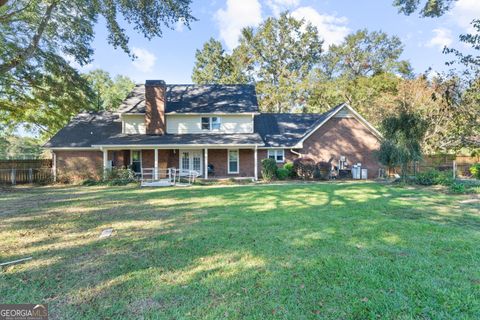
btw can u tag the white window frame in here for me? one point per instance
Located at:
(210, 123)
(238, 161)
(275, 153)
(141, 157)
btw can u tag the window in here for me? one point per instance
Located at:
(136, 161)
(233, 161)
(277, 154)
(211, 123)
(215, 123)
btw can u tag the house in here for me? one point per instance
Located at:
(216, 130)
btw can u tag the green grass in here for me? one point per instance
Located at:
(305, 251)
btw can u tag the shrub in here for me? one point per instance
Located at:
(426, 178)
(282, 173)
(90, 182)
(434, 177)
(475, 170)
(457, 187)
(289, 166)
(304, 168)
(322, 170)
(445, 178)
(269, 169)
(119, 176)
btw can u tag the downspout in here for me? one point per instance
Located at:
(295, 152)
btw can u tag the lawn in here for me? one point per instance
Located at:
(305, 251)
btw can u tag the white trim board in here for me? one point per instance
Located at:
(367, 124)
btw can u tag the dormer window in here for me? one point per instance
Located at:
(211, 123)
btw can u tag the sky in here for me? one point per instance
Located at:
(171, 58)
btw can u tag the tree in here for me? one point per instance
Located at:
(279, 55)
(214, 65)
(403, 134)
(428, 8)
(364, 54)
(50, 106)
(40, 38)
(108, 92)
(363, 71)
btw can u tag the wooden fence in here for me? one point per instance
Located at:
(445, 162)
(14, 172)
(25, 164)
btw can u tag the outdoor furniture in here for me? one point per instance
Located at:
(211, 170)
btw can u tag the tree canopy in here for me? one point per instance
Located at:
(214, 65)
(108, 92)
(284, 59)
(39, 41)
(427, 8)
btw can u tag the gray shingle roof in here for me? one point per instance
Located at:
(271, 130)
(86, 129)
(286, 129)
(184, 139)
(191, 98)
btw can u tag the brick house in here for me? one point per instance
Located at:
(215, 130)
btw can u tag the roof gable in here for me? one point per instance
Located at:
(330, 114)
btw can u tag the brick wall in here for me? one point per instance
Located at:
(75, 166)
(219, 159)
(344, 137)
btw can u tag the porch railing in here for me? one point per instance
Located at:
(169, 176)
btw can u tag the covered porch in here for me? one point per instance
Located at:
(157, 162)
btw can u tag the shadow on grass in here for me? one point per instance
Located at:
(303, 251)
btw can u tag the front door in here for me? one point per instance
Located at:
(191, 160)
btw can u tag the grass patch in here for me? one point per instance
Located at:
(319, 250)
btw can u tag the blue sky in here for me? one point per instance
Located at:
(171, 57)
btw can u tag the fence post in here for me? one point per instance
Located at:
(30, 175)
(13, 176)
(454, 169)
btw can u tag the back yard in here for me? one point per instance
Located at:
(336, 251)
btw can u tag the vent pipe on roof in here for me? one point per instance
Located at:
(155, 105)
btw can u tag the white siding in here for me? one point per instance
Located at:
(134, 124)
(191, 124)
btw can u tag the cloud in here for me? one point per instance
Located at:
(464, 11)
(331, 28)
(238, 15)
(145, 60)
(180, 25)
(442, 38)
(278, 6)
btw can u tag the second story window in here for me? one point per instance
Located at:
(211, 123)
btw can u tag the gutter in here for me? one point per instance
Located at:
(295, 152)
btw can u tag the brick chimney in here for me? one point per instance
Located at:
(155, 104)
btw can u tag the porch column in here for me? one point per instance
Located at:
(155, 164)
(205, 166)
(105, 162)
(255, 160)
